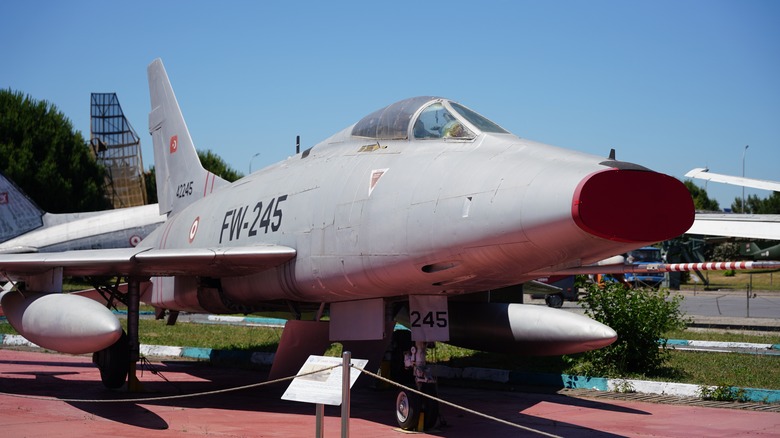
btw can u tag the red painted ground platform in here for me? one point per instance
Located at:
(261, 413)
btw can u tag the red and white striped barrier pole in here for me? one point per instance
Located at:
(720, 266)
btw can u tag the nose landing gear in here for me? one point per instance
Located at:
(414, 411)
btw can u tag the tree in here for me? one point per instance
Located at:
(45, 157)
(216, 165)
(726, 252)
(209, 160)
(701, 201)
(756, 205)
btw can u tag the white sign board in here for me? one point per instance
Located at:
(324, 387)
(429, 318)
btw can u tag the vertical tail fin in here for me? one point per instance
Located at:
(749, 249)
(18, 213)
(181, 179)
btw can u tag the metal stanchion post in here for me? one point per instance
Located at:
(347, 356)
(320, 415)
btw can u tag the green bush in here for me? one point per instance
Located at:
(640, 317)
(722, 393)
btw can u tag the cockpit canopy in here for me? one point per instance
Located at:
(424, 118)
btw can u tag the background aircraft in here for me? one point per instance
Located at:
(414, 214)
(705, 174)
(24, 227)
(750, 226)
(753, 226)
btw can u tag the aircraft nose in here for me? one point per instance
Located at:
(632, 206)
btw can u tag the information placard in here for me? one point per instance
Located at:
(323, 387)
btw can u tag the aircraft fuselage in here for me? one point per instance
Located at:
(380, 218)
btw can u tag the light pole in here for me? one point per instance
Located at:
(744, 151)
(253, 157)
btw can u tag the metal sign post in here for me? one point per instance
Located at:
(345, 393)
(320, 420)
(326, 387)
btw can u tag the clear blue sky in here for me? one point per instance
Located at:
(671, 85)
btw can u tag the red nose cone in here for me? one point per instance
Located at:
(632, 206)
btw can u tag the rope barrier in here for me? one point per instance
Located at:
(462, 408)
(169, 397)
(279, 380)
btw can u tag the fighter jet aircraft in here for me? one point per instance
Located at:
(414, 213)
(24, 227)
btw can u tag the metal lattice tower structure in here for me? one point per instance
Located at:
(118, 148)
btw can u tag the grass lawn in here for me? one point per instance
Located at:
(721, 369)
(700, 368)
(761, 280)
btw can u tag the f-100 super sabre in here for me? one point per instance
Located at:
(419, 212)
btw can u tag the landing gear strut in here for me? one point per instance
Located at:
(133, 315)
(413, 411)
(117, 363)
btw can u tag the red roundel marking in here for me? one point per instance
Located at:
(194, 228)
(135, 240)
(174, 143)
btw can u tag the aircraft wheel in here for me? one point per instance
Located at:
(554, 300)
(114, 363)
(407, 409)
(409, 406)
(430, 407)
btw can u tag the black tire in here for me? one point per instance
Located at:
(409, 406)
(407, 409)
(554, 300)
(114, 363)
(430, 407)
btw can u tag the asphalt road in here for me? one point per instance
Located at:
(735, 304)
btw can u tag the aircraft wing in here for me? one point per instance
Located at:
(217, 262)
(751, 226)
(705, 174)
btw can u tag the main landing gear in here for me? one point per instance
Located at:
(114, 363)
(413, 411)
(554, 300)
(117, 363)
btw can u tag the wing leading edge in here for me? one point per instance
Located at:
(751, 226)
(216, 262)
(705, 174)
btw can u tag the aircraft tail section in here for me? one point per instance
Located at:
(18, 213)
(181, 179)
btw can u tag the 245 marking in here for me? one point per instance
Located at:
(431, 319)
